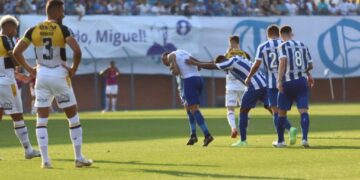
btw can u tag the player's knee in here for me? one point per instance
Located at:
(244, 110)
(194, 108)
(70, 111)
(302, 111)
(74, 121)
(41, 122)
(231, 109)
(282, 113)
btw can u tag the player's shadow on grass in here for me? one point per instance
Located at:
(334, 147)
(336, 138)
(142, 163)
(209, 175)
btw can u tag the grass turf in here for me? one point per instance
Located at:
(151, 145)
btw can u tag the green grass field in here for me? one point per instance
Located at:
(151, 145)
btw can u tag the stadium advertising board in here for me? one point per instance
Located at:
(334, 42)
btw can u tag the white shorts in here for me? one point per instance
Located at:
(112, 89)
(233, 98)
(46, 89)
(10, 99)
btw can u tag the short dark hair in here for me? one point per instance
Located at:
(235, 38)
(273, 30)
(165, 54)
(220, 58)
(51, 4)
(285, 30)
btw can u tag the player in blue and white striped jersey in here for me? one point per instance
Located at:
(268, 54)
(293, 80)
(240, 68)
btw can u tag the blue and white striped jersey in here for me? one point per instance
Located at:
(240, 68)
(267, 53)
(298, 59)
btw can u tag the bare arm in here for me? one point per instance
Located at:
(174, 68)
(19, 50)
(311, 81)
(117, 72)
(282, 65)
(103, 71)
(253, 70)
(204, 65)
(73, 44)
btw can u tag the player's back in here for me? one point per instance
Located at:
(298, 59)
(7, 67)
(267, 53)
(49, 42)
(111, 76)
(186, 70)
(241, 68)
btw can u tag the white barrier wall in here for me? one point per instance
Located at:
(334, 42)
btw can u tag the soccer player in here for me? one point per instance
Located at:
(293, 80)
(10, 99)
(111, 86)
(193, 85)
(267, 53)
(53, 77)
(240, 67)
(234, 88)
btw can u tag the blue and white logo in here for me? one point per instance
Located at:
(252, 32)
(183, 27)
(339, 51)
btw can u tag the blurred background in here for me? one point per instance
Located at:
(135, 33)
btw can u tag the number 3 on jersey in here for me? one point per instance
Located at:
(48, 50)
(298, 58)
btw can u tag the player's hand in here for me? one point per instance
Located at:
(280, 87)
(247, 81)
(32, 72)
(311, 81)
(71, 71)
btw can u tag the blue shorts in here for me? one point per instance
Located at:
(251, 97)
(297, 91)
(193, 87)
(273, 96)
(181, 91)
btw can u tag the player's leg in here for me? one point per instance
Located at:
(248, 102)
(22, 134)
(192, 92)
(302, 101)
(43, 101)
(230, 103)
(272, 94)
(67, 102)
(114, 97)
(285, 101)
(32, 93)
(107, 98)
(192, 123)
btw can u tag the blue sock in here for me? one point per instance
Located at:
(192, 123)
(201, 122)
(305, 122)
(275, 120)
(281, 128)
(287, 124)
(243, 125)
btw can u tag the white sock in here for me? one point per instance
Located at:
(231, 119)
(23, 135)
(113, 103)
(42, 138)
(76, 136)
(107, 101)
